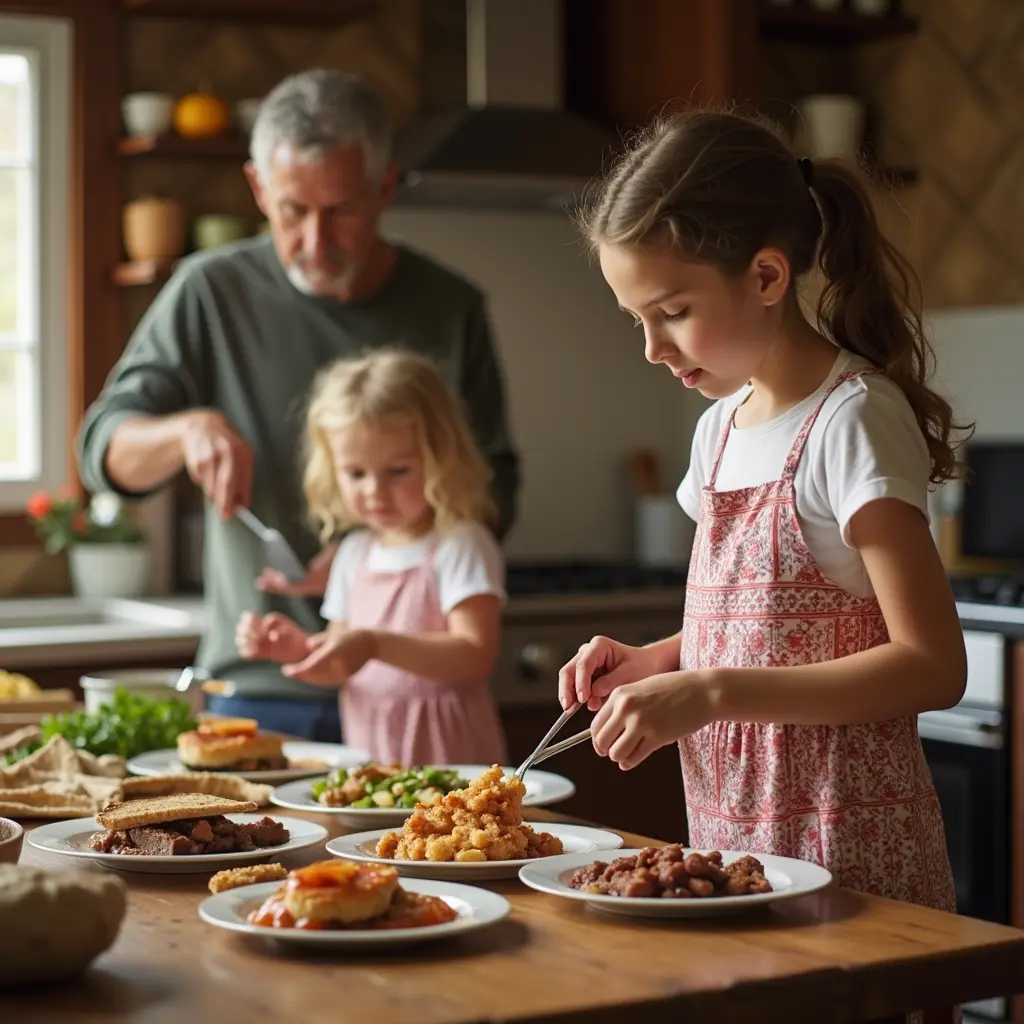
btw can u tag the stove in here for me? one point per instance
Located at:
(543, 578)
(554, 607)
(1004, 588)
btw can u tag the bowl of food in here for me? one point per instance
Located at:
(12, 836)
(153, 683)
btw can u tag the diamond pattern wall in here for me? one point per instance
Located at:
(948, 100)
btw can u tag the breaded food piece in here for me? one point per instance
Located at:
(233, 878)
(156, 810)
(480, 823)
(339, 891)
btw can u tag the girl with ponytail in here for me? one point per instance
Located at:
(819, 621)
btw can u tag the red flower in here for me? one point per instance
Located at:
(69, 492)
(39, 505)
(79, 523)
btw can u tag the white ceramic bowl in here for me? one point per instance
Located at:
(147, 113)
(156, 683)
(245, 113)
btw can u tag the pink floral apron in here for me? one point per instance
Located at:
(857, 799)
(397, 715)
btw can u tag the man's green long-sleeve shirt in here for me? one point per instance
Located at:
(229, 332)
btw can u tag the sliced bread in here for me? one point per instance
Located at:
(155, 810)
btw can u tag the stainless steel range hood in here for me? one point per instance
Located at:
(512, 145)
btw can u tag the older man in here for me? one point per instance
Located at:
(214, 379)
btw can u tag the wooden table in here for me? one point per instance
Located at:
(834, 956)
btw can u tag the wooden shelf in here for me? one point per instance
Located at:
(298, 13)
(223, 147)
(132, 275)
(800, 24)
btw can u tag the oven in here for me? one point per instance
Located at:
(967, 749)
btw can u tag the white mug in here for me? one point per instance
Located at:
(833, 125)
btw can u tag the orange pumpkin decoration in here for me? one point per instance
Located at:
(201, 115)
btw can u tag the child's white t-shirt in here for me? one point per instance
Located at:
(467, 562)
(864, 445)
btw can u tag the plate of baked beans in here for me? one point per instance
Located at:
(675, 881)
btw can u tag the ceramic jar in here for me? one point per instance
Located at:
(154, 229)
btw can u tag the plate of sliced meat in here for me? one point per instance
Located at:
(181, 832)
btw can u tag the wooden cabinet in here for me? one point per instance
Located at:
(647, 800)
(627, 61)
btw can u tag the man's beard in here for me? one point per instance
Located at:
(321, 283)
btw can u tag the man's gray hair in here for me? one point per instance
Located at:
(318, 111)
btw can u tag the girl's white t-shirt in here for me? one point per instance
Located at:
(864, 445)
(467, 562)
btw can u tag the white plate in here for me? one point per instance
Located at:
(542, 788)
(334, 755)
(789, 877)
(576, 839)
(72, 838)
(477, 908)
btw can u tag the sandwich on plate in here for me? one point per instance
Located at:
(230, 745)
(183, 824)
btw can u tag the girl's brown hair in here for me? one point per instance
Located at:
(720, 186)
(393, 388)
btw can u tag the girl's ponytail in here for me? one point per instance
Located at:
(871, 305)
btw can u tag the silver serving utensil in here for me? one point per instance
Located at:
(277, 554)
(567, 744)
(542, 754)
(185, 679)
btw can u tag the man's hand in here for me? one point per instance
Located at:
(313, 584)
(217, 459)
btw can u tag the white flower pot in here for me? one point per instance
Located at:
(109, 570)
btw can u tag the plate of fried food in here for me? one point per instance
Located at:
(676, 881)
(338, 903)
(177, 833)
(476, 833)
(238, 746)
(383, 795)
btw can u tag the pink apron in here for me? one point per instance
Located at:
(857, 799)
(397, 715)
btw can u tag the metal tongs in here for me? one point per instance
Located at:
(542, 751)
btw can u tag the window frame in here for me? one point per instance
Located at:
(94, 340)
(47, 42)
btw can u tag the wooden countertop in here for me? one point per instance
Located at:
(834, 956)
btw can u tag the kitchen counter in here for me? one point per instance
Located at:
(835, 956)
(67, 630)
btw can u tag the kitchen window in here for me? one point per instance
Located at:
(35, 152)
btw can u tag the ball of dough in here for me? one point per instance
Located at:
(53, 924)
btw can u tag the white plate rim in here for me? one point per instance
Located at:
(344, 757)
(602, 840)
(563, 787)
(486, 907)
(543, 874)
(314, 834)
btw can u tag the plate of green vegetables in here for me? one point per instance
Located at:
(382, 795)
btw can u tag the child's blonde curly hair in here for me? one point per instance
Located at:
(389, 388)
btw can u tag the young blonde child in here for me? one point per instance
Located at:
(413, 602)
(818, 619)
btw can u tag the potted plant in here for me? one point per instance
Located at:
(107, 553)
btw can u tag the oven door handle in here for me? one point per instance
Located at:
(972, 729)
